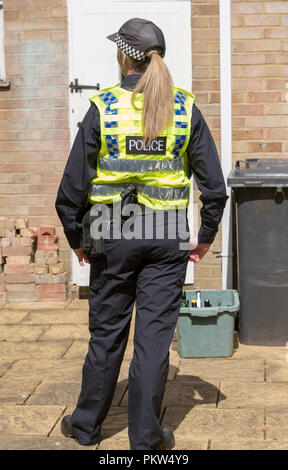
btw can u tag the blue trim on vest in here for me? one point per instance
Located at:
(109, 98)
(113, 145)
(179, 142)
(180, 98)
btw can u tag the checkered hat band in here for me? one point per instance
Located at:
(129, 50)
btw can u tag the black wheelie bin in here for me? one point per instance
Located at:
(261, 197)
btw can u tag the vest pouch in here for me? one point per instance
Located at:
(93, 247)
(129, 196)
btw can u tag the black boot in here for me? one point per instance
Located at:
(168, 440)
(67, 431)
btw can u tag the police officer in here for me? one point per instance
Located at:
(142, 137)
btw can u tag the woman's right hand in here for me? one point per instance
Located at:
(81, 255)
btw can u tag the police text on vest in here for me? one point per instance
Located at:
(135, 145)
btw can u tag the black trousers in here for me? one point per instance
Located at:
(150, 272)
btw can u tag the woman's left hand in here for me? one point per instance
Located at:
(197, 254)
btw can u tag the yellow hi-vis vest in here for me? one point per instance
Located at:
(159, 172)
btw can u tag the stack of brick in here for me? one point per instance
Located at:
(29, 263)
(50, 278)
(18, 249)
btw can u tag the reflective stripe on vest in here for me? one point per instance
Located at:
(140, 166)
(169, 194)
(160, 169)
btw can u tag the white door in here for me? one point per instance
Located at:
(92, 60)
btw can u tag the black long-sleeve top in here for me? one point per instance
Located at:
(203, 162)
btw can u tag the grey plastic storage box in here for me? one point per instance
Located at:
(208, 331)
(261, 189)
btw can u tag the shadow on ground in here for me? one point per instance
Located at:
(181, 395)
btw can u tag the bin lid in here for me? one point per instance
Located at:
(259, 172)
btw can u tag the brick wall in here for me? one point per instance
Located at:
(259, 88)
(206, 88)
(34, 133)
(260, 79)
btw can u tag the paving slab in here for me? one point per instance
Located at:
(66, 332)
(118, 440)
(77, 350)
(223, 369)
(5, 364)
(277, 370)
(12, 316)
(20, 332)
(53, 370)
(55, 317)
(17, 391)
(28, 420)
(78, 304)
(277, 423)
(187, 393)
(41, 443)
(23, 305)
(64, 393)
(259, 352)
(124, 370)
(52, 350)
(253, 395)
(248, 445)
(200, 422)
(116, 420)
(174, 361)
(189, 443)
(191, 393)
(56, 393)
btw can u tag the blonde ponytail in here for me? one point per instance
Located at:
(156, 85)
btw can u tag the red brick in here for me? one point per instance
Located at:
(21, 296)
(29, 232)
(15, 242)
(262, 20)
(276, 84)
(5, 242)
(247, 109)
(45, 288)
(277, 134)
(46, 230)
(241, 134)
(46, 257)
(264, 147)
(3, 296)
(10, 224)
(47, 246)
(27, 241)
(57, 296)
(264, 97)
(21, 223)
(263, 121)
(18, 269)
(16, 260)
(276, 7)
(18, 251)
(21, 287)
(245, 8)
(47, 239)
(51, 278)
(19, 278)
